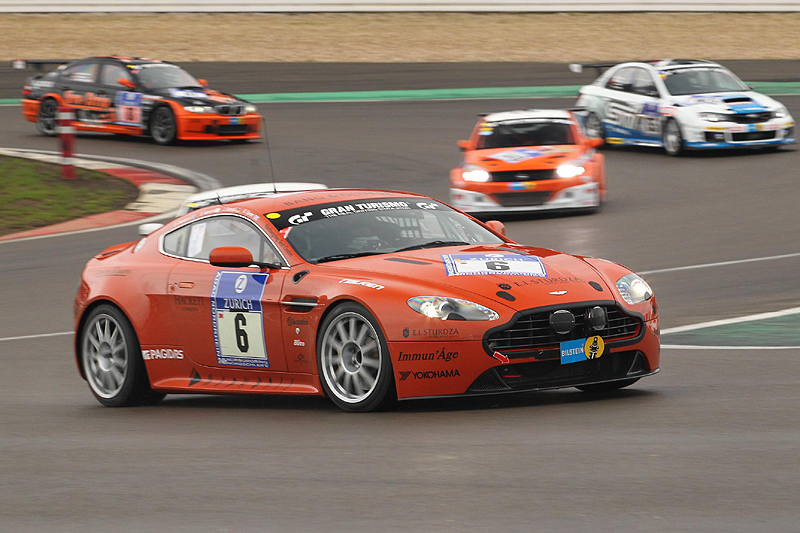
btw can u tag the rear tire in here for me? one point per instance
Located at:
(600, 388)
(46, 120)
(163, 127)
(673, 138)
(353, 360)
(112, 360)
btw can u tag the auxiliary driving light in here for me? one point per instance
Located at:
(596, 317)
(562, 321)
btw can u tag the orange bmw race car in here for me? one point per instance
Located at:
(138, 97)
(363, 296)
(532, 160)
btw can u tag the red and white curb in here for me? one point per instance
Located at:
(159, 195)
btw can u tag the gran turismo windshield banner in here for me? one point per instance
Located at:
(350, 208)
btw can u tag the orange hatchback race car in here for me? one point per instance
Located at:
(134, 96)
(364, 296)
(528, 160)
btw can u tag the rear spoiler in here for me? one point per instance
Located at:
(577, 68)
(38, 64)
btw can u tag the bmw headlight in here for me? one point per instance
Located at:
(250, 109)
(634, 289)
(781, 112)
(199, 109)
(445, 308)
(475, 173)
(714, 117)
(569, 170)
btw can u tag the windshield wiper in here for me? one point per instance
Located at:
(336, 257)
(431, 244)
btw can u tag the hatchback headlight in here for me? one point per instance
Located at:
(715, 117)
(475, 173)
(634, 289)
(199, 109)
(445, 308)
(781, 112)
(569, 170)
(250, 109)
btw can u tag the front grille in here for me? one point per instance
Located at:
(232, 129)
(521, 199)
(753, 136)
(545, 374)
(532, 332)
(524, 175)
(230, 109)
(751, 118)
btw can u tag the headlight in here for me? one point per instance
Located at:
(475, 173)
(714, 117)
(250, 109)
(569, 170)
(199, 109)
(781, 112)
(634, 289)
(445, 308)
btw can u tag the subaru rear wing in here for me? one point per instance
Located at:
(38, 64)
(577, 68)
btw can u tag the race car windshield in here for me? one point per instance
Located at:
(343, 230)
(699, 81)
(162, 76)
(539, 133)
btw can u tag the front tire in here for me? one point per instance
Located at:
(112, 360)
(353, 360)
(163, 127)
(46, 120)
(673, 138)
(600, 388)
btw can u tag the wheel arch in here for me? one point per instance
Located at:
(82, 323)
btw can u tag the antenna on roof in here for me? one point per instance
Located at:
(269, 156)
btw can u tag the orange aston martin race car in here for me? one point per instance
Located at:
(528, 160)
(363, 296)
(135, 96)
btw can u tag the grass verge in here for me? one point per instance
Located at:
(33, 194)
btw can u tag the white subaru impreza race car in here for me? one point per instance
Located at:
(681, 104)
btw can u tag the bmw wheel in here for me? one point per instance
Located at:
(673, 138)
(594, 127)
(46, 121)
(112, 360)
(353, 360)
(599, 388)
(163, 127)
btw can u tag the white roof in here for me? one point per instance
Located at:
(528, 114)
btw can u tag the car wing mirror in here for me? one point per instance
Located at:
(497, 227)
(464, 145)
(230, 256)
(202, 82)
(147, 229)
(125, 82)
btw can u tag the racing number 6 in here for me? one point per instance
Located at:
(241, 334)
(497, 265)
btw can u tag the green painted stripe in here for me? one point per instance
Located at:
(557, 91)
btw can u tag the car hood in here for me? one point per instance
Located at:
(728, 102)
(522, 157)
(430, 272)
(196, 96)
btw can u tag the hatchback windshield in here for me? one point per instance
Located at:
(701, 80)
(341, 230)
(164, 76)
(529, 133)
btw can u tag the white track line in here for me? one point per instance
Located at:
(721, 263)
(699, 347)
(40, 335)
(726, 321)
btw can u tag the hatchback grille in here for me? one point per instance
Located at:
(521, 199)
(753, 136)
(230, 109)
(751, 118)
(533, 332)
(524, 175)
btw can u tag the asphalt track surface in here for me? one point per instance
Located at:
(709, 444)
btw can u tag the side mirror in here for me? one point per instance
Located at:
(497, 227)
(464, 145)
(125, 82)
(202, 82)
(147, 229)
(230, 256)
(595, 142)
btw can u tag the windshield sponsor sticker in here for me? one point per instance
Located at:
(486, 264)
(517, 155)
(237, 319)
(186, 93)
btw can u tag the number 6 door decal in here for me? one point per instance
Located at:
(237, 319)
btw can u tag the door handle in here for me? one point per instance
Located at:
(186, 285)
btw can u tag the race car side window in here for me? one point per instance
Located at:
(83, 72)
(111, 73)
(643, 83)
(621, 80)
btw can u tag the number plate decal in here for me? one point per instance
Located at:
(238, 320)
(129, 108)
(485, 264)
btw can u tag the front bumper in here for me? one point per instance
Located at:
(520, 197)
(731, 135)
(198, 127)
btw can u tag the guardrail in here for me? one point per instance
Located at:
(308, 6)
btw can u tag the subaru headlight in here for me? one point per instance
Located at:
(445, 308)
(781, 112)
(475, 173)
(714, 117)
(569, 170)
(634, 289)
(199, 109)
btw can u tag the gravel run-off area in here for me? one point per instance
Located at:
(403, 37)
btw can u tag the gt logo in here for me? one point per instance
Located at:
(241, 283)
(299, 219)
(426, 205)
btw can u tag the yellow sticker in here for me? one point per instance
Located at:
(714, 128)
(613, 140)
(273, 215)
(593, 347)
